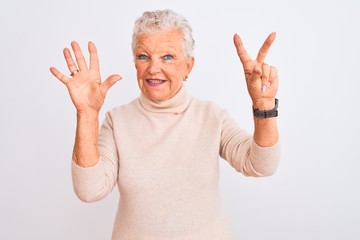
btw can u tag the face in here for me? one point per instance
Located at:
(161, 64)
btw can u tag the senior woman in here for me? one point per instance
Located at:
(162, 149)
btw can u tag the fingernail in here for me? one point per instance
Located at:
(263, 88)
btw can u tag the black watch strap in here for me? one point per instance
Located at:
(267, 113)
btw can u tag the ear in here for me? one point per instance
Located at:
(189, 65)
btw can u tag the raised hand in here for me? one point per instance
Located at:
(261, 78)
(86, 90)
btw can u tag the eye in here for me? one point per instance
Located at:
(168, 57)
(142, 57)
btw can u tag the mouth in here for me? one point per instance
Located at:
(154, 82)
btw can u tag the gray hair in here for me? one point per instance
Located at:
(159, 20)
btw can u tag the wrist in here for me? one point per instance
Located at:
(268, 112)
(88, 112)
(264, 104)
(87, 115)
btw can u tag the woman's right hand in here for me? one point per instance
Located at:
(86, 90)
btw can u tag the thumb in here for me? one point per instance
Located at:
(109, 82)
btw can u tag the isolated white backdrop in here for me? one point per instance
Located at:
(313, 195)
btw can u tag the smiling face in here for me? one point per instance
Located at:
(161, 64)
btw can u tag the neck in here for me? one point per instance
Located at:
(177, 104)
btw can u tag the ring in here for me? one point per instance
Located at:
(75, 72)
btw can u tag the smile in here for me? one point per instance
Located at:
(154, 82)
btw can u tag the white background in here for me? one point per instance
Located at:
(313, 195)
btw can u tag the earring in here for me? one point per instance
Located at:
(186, 77)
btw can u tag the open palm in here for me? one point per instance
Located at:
(86, 90)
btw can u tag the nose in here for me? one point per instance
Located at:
(154, 66)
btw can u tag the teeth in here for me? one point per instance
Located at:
(155, 81)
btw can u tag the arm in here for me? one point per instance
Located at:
(87, 93)
(95, 182)
(239, 148)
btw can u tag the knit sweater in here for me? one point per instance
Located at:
(164, 158)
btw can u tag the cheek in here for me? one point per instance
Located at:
(140, 69)
(176, 71)
(182, 68)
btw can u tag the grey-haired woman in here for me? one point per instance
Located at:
(162, 149)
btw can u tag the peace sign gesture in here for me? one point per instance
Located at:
(85, 87)
(261, 78)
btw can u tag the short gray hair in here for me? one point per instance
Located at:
(159, 20)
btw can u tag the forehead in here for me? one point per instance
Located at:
(170, 39)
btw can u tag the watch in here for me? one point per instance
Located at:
(267, 113)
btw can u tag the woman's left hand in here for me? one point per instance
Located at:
(261, 78)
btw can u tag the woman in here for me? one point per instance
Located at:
(162, 149)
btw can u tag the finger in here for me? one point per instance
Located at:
(94, 59)
(256, 73)
(69, 61)
(265, 48)
(273, 73)
(64, 79)
(108, 83)
(243, 55)
(265, 77)
(79, 56)
(274, 78)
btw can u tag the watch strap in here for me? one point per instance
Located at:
(267, 113)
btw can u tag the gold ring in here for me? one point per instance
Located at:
(75, 72)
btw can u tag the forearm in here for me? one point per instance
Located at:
(86, 153)
(266, 132)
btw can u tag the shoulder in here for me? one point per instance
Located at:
(127, 109)
(208, 108)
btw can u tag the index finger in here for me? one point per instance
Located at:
(242, 53)
(265, 48)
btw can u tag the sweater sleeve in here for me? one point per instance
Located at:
(94, 183)
(241, 151)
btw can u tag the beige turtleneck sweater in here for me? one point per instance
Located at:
(164, 157)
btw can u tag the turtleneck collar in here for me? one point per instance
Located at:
(177, 104)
